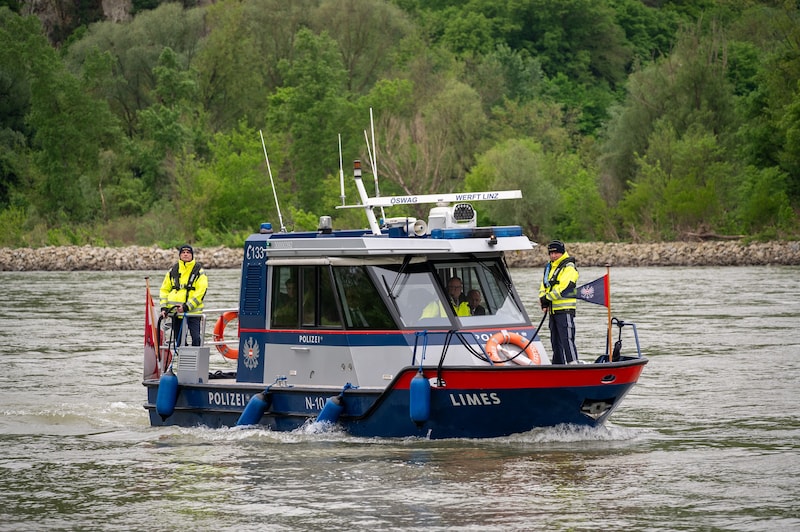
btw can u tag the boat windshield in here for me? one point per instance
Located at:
(438, 294)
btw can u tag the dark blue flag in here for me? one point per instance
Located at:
(597, 292)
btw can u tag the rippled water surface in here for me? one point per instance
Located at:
(708, 439)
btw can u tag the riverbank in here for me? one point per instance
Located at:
(722, 253)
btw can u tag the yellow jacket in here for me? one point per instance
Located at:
(173, 295)
(560, 277)
(435, 309)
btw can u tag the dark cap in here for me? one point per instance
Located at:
(186, 246)
(557, 246)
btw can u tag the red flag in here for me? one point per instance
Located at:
(150, 357)
(596, 292)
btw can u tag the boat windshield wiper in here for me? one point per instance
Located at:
(406, 261)
(499, 275)
(506, 275)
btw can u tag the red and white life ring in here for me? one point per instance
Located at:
(219, 329)
(504, 337)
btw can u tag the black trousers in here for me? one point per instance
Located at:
(179, 329)
(562, 337)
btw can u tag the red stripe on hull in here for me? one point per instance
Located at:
(538, 377)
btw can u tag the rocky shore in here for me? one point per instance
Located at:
(716, 253)
(710, 253)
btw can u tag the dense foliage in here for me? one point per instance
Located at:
(618, 119)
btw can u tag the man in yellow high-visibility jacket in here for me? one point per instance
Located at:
(558, 283)
(435, 309)
(182, 294)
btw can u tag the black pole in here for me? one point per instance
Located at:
(544, 315)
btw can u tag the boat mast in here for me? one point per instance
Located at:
(362, 192)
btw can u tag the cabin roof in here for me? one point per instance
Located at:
(344, 243)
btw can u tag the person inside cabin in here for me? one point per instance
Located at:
(474, 300)
(559, 282)
(290, 294)
(309, 298)
(455, 287)
(285, 306)
(455, 290)
(181, 296)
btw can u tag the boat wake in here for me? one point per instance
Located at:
(314, 431)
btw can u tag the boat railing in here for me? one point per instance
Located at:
(616, 353)
(421, 343)
(218, 313)
(208, 338)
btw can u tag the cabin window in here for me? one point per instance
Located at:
(414, 293)
(303, 298)
(421, 295)
(309, 284)
(327, 309)
(362, 306)
(499, 305)
(284, 296)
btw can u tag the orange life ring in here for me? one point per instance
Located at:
(219, 328)
(504, 337)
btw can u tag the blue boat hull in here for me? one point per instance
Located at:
(465, 402)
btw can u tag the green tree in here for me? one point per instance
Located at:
(166, 122)
(238, 60)
(689, 88)
(15, 100)
(368, 32)
(502, 94)
(539, 119)
(174, 124)
(231, 192)
(69, 129)
(431, 150)
(768, 82)
(518, 164)
(650, 31)
(467, 32)
(579, 43)
(789, 156)
(764, 205)
(117, 61)
(505, 74)
(684, 185)
(583, 214)
(576, 42)
(312, 111)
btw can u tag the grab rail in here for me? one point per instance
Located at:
(204, 318)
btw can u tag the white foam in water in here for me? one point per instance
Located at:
(319, 427)
(575, 433)
(310, 431)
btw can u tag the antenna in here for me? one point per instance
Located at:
(341, 171)
(280, 218)
(374, 160)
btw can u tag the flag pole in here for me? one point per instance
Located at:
(608, 295)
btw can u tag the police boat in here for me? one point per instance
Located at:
(356, 330)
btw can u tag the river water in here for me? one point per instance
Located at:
(708, 439)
